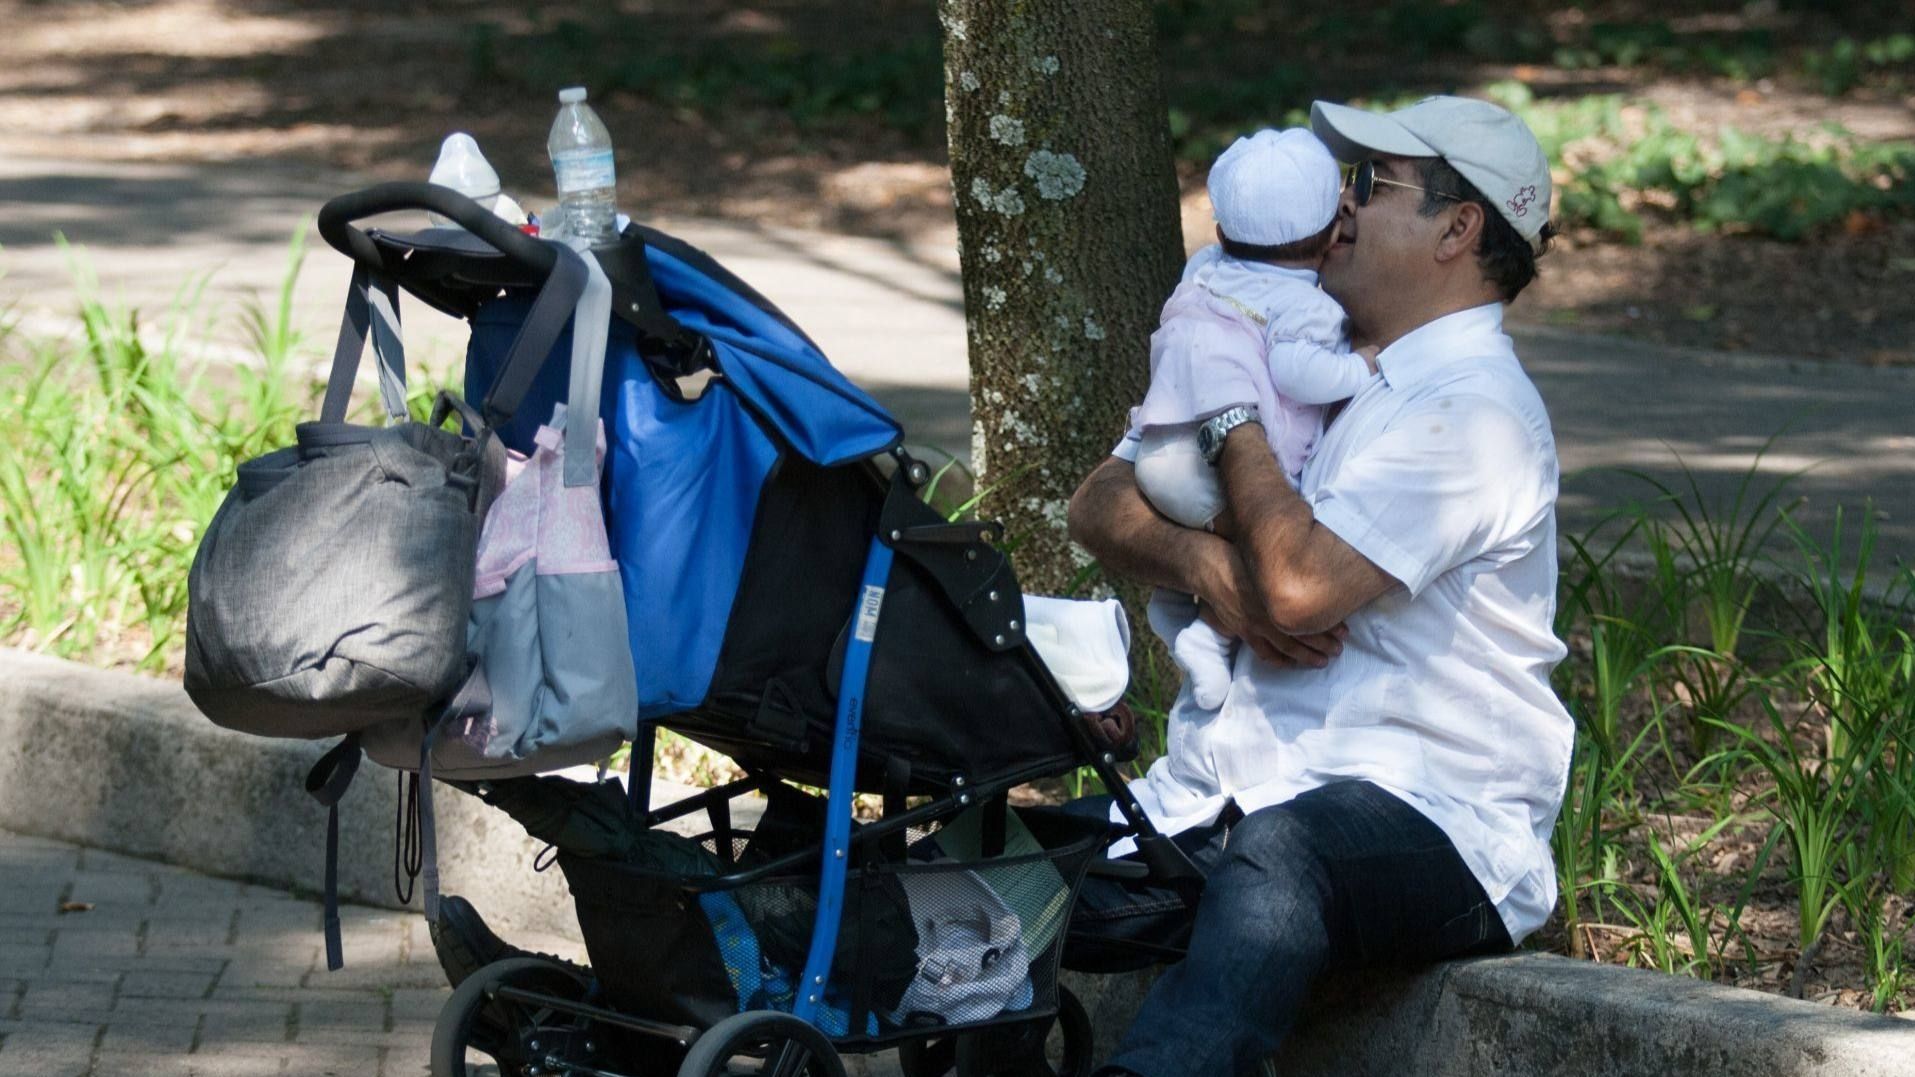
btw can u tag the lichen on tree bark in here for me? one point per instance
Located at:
(1067, 219)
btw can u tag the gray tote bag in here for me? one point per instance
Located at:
(333, 588)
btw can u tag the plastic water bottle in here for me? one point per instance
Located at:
(581, 152)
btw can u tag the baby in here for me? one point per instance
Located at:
(1247, 327)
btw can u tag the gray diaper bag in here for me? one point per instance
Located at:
(333, 588)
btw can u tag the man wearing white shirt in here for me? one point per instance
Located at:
(1381, 781)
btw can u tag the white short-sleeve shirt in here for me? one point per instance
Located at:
(1443, 473)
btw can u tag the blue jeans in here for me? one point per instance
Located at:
(1343, 876)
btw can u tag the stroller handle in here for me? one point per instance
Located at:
(336, 227)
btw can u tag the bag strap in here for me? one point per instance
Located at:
(473, 699)
(372, 308)
(591, 321)
(372, 304)
(551, 309)
(327, 783)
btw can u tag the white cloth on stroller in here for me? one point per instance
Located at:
(972, 964)
(1085, 644)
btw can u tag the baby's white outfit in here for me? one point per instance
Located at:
(1234, 332)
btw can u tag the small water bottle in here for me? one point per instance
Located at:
(581, 152)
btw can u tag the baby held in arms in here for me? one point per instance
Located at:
(1247, 328)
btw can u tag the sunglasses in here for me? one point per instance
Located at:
(1364, 180)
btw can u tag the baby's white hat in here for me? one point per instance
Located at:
(1275, 187)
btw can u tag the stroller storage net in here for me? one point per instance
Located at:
(945, 937)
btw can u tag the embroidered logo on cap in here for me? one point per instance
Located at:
(1519, 205)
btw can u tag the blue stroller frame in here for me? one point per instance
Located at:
(766, 529)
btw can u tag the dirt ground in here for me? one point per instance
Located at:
(371, 88)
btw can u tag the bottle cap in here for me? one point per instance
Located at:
(571, 95)
(464, 169)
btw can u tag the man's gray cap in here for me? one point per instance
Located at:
(1487, 144)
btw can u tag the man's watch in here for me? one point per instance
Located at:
(1214, 429)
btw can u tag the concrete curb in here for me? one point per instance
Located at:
(1532, 1015)
(126, 763)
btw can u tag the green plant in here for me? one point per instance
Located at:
(1862, 675)
(1623, 156)
(1655, 921)
(1621, 631)
(123, 442)
(1884, 944)
(1583, 842)
(1709, 688)
(1721, 542)
(1816, 800)
(1843, 65)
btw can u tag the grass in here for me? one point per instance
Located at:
(122, 442)
(1805, 744)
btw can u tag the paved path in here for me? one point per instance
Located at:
(891, 316)
(171, 973)
(161, 972)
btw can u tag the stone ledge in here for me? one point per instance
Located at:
(1531, 1015)
(126, 763)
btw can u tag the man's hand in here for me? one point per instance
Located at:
(1115, 729)
(1111, 519)
(1369, 352)
(1231, 606)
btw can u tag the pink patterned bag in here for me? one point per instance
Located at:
(547, 630)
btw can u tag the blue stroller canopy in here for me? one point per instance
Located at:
(773, 366)
(683, 476)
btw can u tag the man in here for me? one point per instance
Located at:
(1382, 779)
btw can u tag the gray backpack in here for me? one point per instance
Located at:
(333, 587)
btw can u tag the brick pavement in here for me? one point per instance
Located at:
(171, 973)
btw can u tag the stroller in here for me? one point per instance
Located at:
(793, 603)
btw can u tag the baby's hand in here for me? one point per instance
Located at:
(1369, 353)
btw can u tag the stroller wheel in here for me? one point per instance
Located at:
(480, 1033)
(1058, 1048)
(762, 1043)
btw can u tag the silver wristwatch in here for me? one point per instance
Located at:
(1211, 434)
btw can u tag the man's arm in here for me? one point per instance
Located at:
(1110, 517)
(1307, 578)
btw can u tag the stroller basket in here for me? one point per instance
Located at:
(946, 937)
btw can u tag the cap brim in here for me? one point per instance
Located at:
(1353, 134)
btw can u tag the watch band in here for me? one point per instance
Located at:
(1211, 435)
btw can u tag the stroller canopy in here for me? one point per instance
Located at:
(773, 367)
(683, 476)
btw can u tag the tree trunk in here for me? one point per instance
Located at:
(1069, 238)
